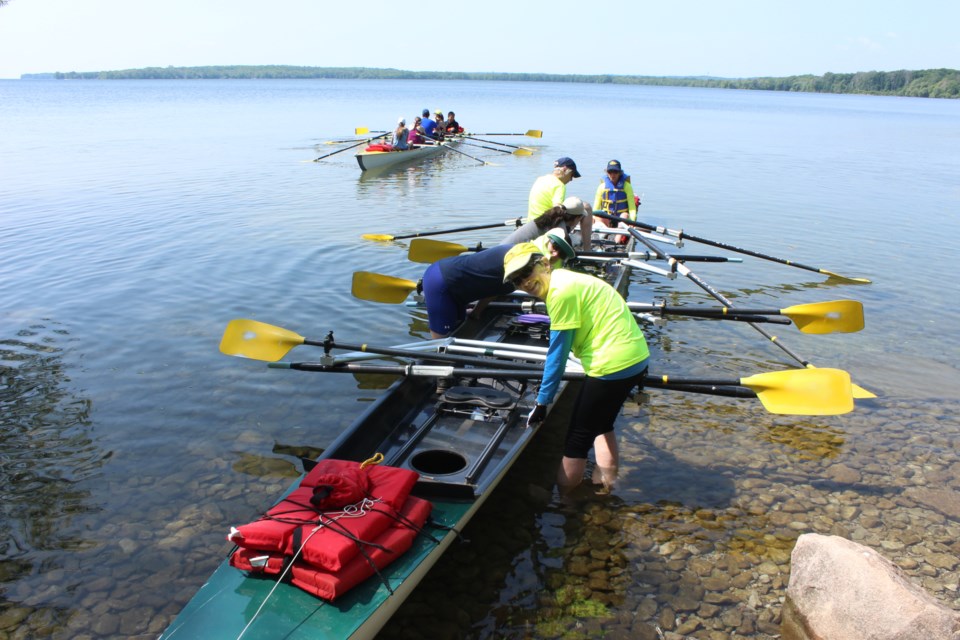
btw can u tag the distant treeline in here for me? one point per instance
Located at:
(927, 83)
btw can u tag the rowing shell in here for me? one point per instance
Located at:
(370, 160)
(462, 441)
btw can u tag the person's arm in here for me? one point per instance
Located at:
(586, 228)
(631, 202)
(555, 365)
(598, 198)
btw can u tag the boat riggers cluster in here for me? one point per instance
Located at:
(810, 391)
(389, 495)
(344, 523)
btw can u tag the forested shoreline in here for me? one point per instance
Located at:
(926, 83)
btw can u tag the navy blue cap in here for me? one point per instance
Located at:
(614, 165)
(567, 162)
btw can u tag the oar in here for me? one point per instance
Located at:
(836, 316)
(383, 237)
(858, 392)
(795, 392)
(519, 152)
(261, 341)
(362, 131)
(429, 251)
(683, 235)
(449, 147)
(502, 144)
(531, 133)
(380, 288)
(352, 146)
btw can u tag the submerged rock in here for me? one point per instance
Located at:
(840, 589)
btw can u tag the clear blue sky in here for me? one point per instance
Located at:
(729, 38)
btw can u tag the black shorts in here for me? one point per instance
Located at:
(595, 411)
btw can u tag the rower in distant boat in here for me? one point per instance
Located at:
(429, 126)
(451, 284)
(416, 132)
(451, 126)
(400, 135)
(438, 119)
(590, 318)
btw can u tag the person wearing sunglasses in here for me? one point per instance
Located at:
(450, 285)
(615, 196)
(589, 318)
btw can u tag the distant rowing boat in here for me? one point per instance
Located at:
(379, 156)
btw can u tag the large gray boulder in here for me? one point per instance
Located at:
(840, 590)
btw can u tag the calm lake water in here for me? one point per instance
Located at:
(138, 218)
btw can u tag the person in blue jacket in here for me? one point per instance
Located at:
(429, 126)
(451, 284)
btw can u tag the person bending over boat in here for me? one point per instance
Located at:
(429, 126)
(567, 215)
(588, 317)
(550, 190)
(400, 135)
(416, 132)
(615, 196)
(451, 284)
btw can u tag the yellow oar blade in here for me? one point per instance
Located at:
(429, 251)
(523, 152)
(837, 316)
(803, 392)
(361, 131)
(859, 393)
(844, 278)
(534, 133)
(381, 288)
(257, 340)
(379, 237)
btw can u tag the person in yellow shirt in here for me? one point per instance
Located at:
(550, 191)
(615, 196)
(589, 318)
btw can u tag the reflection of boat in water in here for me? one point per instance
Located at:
(460, 440)
(382, 156)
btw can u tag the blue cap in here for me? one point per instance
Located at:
(614, 165)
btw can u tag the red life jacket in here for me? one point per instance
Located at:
(342, 523)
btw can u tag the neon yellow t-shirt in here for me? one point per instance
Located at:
(607, 338)
(546, 193)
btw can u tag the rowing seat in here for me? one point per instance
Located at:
(478, 396)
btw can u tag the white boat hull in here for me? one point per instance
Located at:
(369, 160)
